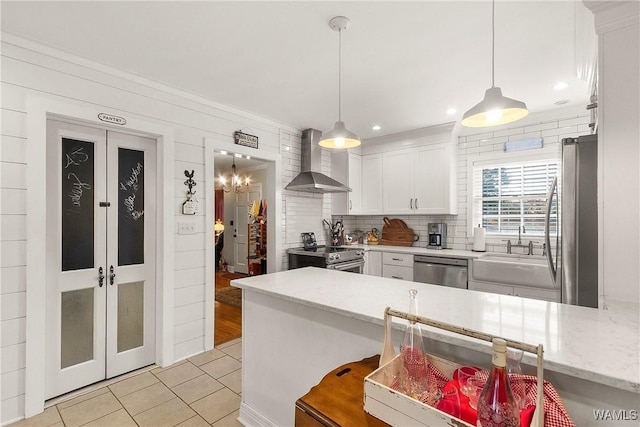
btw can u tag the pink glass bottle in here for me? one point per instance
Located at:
(496, 404)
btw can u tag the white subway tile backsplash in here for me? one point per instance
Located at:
(573, 121)
(480, 136)
(508, 132)
(541, 127)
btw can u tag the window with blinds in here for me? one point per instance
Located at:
(507, 196)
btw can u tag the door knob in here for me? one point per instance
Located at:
(112, 275)
(100, 276)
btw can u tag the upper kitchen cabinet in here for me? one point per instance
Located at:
(397, 182)
(346, 168)
(372, 184)
(420, 180)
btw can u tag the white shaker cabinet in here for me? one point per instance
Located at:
(432, 174)
(518, 291)
(373, 263)
(372, 184)
(346, 168)
(419, 180)
(397, 182)
(397, 266)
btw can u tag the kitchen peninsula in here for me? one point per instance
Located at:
(300, 324)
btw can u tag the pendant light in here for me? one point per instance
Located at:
(339, 136)
(494, 109)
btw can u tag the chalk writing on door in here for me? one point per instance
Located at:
(130, 206)
(77, 196)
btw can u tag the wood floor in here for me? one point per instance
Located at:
(228, 319)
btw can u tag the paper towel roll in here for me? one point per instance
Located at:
(479, 239)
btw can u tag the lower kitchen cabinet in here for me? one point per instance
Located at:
(519, 291)
(397, 266)
(373, 263)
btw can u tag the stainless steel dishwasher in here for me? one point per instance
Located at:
(440, 271)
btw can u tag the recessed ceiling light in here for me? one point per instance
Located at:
(376, 127)
(561, 86)
(561, 102)
(238, 155)
(248, 157)
(451, 111)
(223, 152)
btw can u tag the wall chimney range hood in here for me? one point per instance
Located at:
(310, 179)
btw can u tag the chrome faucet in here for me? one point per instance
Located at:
(519, 244)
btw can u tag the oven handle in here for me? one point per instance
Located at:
(346, 265)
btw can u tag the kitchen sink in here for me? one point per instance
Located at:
(524, 270)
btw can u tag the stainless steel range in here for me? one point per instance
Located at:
(336, 258)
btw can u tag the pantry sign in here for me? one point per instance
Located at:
(245, 139)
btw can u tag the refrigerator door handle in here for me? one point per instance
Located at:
(547, 237)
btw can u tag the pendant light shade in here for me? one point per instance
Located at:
(339, 137)
(495, 109)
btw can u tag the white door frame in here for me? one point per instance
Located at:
(271, 192)
(39, 108)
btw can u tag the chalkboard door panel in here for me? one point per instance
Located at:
(76, 248)
(100, 266)
(131, 245)
(78, 204)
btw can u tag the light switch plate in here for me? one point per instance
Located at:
(186, 228)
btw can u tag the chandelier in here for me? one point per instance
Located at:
(236, 184)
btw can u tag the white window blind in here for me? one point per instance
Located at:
(509, 195)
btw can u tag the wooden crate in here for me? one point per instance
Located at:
(396, 408)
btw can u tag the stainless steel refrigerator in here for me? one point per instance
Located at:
(572, 205)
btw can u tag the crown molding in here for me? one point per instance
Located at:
(611, 15)
(30, 45)
(441, 129)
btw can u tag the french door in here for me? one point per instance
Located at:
(100, 310)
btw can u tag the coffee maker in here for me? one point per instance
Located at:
(437, 235)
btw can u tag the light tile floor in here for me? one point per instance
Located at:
(201, 391)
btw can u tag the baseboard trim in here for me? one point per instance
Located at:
(249, 417)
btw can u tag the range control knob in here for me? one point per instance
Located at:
(334, 257)
(360, 253)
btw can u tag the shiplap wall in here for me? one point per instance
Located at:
(552, 126)
(30, 69)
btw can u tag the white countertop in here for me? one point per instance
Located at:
(602, 346)
(414, 250)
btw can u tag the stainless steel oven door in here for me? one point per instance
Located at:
(350, 266)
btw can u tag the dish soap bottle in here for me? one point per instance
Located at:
(496, 404)
(413, 376)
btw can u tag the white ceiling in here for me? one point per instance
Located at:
(404, 63)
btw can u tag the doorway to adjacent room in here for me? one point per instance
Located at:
(240, 236)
